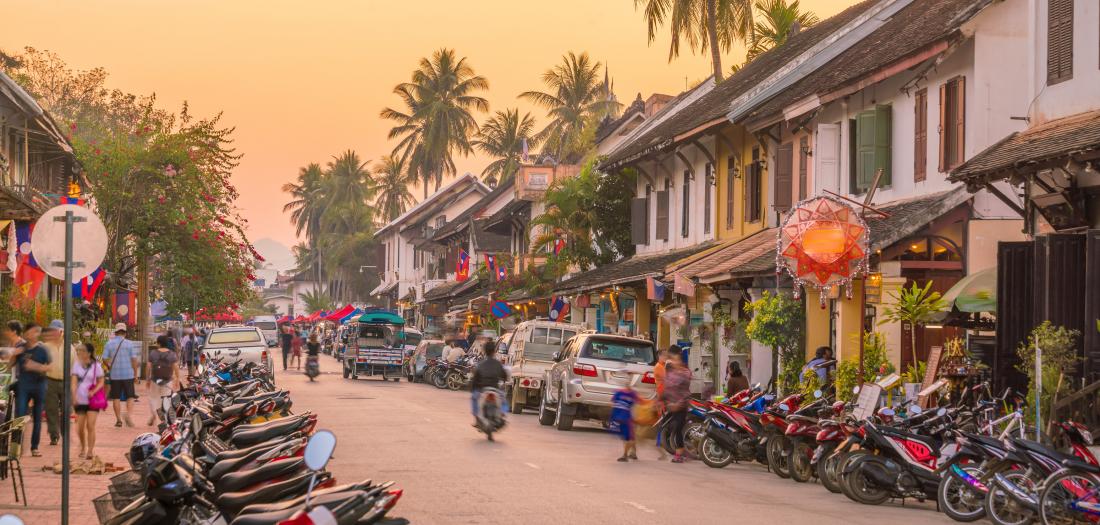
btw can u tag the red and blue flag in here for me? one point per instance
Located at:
(559, 309)
(462, 266)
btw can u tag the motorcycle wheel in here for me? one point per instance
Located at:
(777, 461)
(799, 460)
(666, 443)
(439, 379)
(828, 474)
(864, 490)
(958, 501)
(454, 382)
(1064, 489)
(841, 466)
(1003, 510)
(693, 438)
(713, 454)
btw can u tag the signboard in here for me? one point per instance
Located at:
(867, 401)
(932, 368)
(501, 310)
(873, 287)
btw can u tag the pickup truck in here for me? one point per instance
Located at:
(530, 353)
(249, 340)
(375, 346)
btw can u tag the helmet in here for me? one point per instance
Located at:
(143, 448)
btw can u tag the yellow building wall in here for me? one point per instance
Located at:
(744, 142)
(641, 312)
(817, 325)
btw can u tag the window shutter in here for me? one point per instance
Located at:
(731, 175)
(960, 121)
(685, 213)
(1059, 40)
(803, 147)
(883, 137)
(920, 136)
(943, 162)
(662, 215)
(827, 157)
(784, 160)
(865, 150)
(639, 221)
(708, 181)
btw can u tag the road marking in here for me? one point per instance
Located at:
(640, 507)
(534, 466)
(579, 484)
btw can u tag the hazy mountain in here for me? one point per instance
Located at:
(278, 255)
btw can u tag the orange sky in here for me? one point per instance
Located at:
(303, 81)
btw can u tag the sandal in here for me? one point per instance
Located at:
(622, 459)
(677, 459)
(36, 453)
(118, 423)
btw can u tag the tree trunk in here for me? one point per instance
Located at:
(712, 36)
(913, 336)
(775, 367)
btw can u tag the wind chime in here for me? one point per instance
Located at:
(823, 244)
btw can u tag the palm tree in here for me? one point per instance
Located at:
(699, 23)
(437, 120)
(569, 215)
(393, 178)
(347, 181)
(305, 206)
(576, 99)
(317, 299)
(778, 23)
(502, 136)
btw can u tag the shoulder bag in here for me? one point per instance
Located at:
(98, 400)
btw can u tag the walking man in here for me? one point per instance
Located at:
(287, 340)
(31, 363)
(161, 375)
(121, 360)
(52, 339)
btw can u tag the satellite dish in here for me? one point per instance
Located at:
(89, 241)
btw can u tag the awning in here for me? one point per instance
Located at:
(908, 216)
(750, 256)
(976, 292)
(351, 315)
(381, 318)
(625, 271)
(384, 288)
(1042, 146)
(449, 289)
(339, 314)
(487, 241)
(285, 319)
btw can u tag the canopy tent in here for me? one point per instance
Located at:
(351, 315)
(381, 318)
(299, 319)
(225, 317)
(975, 293)
(336, 315)
(285, 319)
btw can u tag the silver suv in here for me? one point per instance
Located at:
(587, 372)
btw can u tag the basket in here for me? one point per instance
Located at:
(121, 497)
(104, 508)
(126, 480)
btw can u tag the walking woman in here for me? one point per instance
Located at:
(296, 348)
(89, 396)
(676, 393)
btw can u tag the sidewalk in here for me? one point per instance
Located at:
(44, 487)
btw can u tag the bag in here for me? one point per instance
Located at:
(644, 412)
(107, 367)
(98, 400)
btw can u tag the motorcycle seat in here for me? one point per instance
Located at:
(271, 517)
(260, 508)
(1043, 450)
(929, 441)
(1077, 464)
(255, 397)
(268, 424)
(241, 480)
(804, 419)
(244, 438)
(232, 410)
(226, 466)
(236, 387)
(238, 452)
(232, 502)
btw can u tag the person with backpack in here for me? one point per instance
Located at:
(161, 374)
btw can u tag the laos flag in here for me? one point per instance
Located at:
(462, 266)
(558, 308)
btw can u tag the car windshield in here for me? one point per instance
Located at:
(434, 351)
(234, 336)
(376, 335)
(265, 325)
(625, 351)
(412, 339)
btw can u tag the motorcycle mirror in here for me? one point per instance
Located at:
(10, 519)
(886, 412)
(941, 411)
(817, 394)
(319, 449)
(855, 389)
(557, 356)
(915, 410)
(213, 380)
(200, 370)
(784, 407)
(196, 424)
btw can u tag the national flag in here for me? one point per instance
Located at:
(491, 262)
(462, 266)
(654, 289)
(559, 245)
(525, 150)
(684, 286)
(559, 309)
(87, 287)
(122, 307)
(28, 276)
(502, 273)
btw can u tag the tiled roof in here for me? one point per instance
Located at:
(449, 289)
(907, 216)
(912, 29)
(462, 220)
(715, 104)
(487, 241)
(754, 254)
(455, 186)
(609, 125)
(628, 270)
(1049, 141)
(507, 211)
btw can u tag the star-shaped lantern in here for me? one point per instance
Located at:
(823, 244)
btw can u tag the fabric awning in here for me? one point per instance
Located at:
(381, 318)
(976, 292)
(339, 314)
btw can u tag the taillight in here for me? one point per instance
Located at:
(526, 382)
(649, 378)
(584, 370)
(263, 355)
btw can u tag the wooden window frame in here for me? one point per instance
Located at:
(685, 201)
(952, 127)
(803, 166)
(708, 180)
(733, 164)
(920, 136)
(1059, 68)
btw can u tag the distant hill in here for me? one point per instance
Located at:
(277, 254)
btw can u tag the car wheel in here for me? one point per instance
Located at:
(562, 421)
(516, 406)
(546, 418)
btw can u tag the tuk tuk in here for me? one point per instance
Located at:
(375, 346)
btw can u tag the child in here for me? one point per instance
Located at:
(622, 420)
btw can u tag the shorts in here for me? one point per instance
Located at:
(624, 428)
(83, 409)
(120, 387)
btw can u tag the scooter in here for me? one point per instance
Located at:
(313, 367)
(490, 416)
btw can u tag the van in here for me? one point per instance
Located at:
(269, 325)
(530, 353)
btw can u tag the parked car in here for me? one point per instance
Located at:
(269, 325)
(418, 361)
(588, 371)
(249, 340)
(530, 351)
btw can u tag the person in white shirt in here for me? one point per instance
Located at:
(453, 353)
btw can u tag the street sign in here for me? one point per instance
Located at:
(501, 310)
(48, 241)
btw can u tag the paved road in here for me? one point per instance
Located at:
(421, 437)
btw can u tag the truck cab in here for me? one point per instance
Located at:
(530, 353)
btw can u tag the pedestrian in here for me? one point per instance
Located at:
(286, 340)
(818, 365)
(161, 374)
(190, 350)
(735, 379)
(622, 420)
(296, 349)
(121, 361)
(313, 353)
(31, 362)
(89, 396)
(675, 396)
(659, 383)
(53, 340)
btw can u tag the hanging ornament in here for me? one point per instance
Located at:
(823, 243)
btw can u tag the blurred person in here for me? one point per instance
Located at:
(89, 384)
(120, 359)
(622, 420)
(161, 375)
(675, 396)
(31, 362)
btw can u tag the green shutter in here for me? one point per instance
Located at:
(883, 132)
(865, 150)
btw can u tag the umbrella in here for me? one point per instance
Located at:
(976, 292)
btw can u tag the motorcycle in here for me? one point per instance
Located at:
(313, 367)
(490, 415)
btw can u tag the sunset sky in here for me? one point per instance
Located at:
(303, 81)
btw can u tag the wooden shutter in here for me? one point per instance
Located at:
(1059, 41)
(662, 215)
(709, 180)
(685, 213)
(639, 220)
(827, 157)
(943, 163)
(920, 136)
(803, 147)
(883, 137)
(784, 176)
(865, 150)
(959, 85)
(731, 175)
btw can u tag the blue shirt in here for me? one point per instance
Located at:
(623, 402)
(38, 354)
(117, 353)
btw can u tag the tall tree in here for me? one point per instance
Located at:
(502, 137)
(393, 178)
(778, 22)
(305, 206)
(699, 24)
(438, 117)
(575, 101)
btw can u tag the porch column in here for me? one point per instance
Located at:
(849, 322)
(641, 313)
(760, 355)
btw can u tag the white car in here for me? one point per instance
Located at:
(226, 341)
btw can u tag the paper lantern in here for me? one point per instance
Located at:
(823, 244)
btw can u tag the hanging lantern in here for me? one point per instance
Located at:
(823, 244)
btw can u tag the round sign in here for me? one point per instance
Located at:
(89, 241)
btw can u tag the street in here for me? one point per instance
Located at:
(420, 437)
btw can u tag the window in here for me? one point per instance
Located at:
(639, 219)
(249, 335)
(623, 351)
(803, 162)
(708, 181)
(920, 136)
(784, 174)
(952, 123)
(662, 213)
(752, 188)
(732, 165)
(1059, 41)
(685, 213)
(440, 221)
(871, 148)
